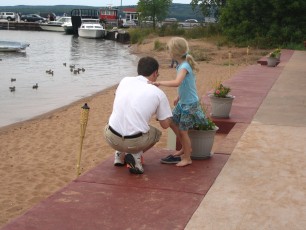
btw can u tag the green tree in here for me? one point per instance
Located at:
(264, 23)
(209, 8)
(156, 9)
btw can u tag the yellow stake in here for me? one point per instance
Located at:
(247, 54)
(83, 122)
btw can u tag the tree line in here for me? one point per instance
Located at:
(179, 11)
(264, 24)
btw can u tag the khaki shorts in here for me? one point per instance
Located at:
(132, 145)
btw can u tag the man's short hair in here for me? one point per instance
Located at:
(147, 66)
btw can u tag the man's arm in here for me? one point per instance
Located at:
(165, 123)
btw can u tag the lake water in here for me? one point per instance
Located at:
(105, 63)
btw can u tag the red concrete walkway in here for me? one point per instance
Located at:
(250, 87)
(165, 197)
(108, 197)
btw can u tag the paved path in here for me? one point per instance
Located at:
(255, 180)
(263, 185)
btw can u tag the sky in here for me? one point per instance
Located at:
(77, 2)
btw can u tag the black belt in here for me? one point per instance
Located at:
(126, 137)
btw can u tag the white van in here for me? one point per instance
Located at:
(10, 16)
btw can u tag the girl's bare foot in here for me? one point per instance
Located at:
(184, 162)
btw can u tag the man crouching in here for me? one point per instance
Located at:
(128, 130)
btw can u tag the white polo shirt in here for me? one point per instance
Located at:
(135, 103)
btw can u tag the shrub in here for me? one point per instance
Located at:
(159, 46)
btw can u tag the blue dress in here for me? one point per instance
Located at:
(188, 111)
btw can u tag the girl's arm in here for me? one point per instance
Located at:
(173, 83)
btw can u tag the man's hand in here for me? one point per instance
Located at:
(156, 83)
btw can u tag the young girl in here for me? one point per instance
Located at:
(187, 111)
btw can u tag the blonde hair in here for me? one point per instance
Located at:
(179, 48)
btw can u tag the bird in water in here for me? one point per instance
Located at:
(12, 88)
(13, 79)
(49, 72)
(76, 71)
(35, 86)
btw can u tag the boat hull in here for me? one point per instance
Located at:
(55, 25)
(55, 28)
(9, 46)
(86, 33)
(68, 29)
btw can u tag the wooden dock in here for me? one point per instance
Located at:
(32, 26)
(6, 25)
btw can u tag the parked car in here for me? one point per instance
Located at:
(50, 16)
(129, 24)
(189, 23)
(32, 18)
(169, 21)
(10, 16)
(148, 21)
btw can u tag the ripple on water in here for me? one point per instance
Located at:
(105, 63)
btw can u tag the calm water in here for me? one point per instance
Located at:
(105, 63)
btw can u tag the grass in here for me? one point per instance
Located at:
(211, 32)
(159, 46)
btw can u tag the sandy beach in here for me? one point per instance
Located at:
(39, 156)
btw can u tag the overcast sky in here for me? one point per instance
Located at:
(77, 2)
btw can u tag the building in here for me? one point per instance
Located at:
(131, 14)
(108, 14)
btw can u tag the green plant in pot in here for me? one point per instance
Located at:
(221, 101)
(277, 53)
(202, 138)
(274, 57)
(222, 91)
(209, 126)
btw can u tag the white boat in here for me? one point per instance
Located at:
(55, 25)
(91, 28)
(68, 27)
(12, 46)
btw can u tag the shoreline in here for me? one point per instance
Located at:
(51, 112)
(39, 156)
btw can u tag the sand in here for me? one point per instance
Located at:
(39, 156)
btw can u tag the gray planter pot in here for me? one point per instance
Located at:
(202, 142)
(221, 107)
(271, 61)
